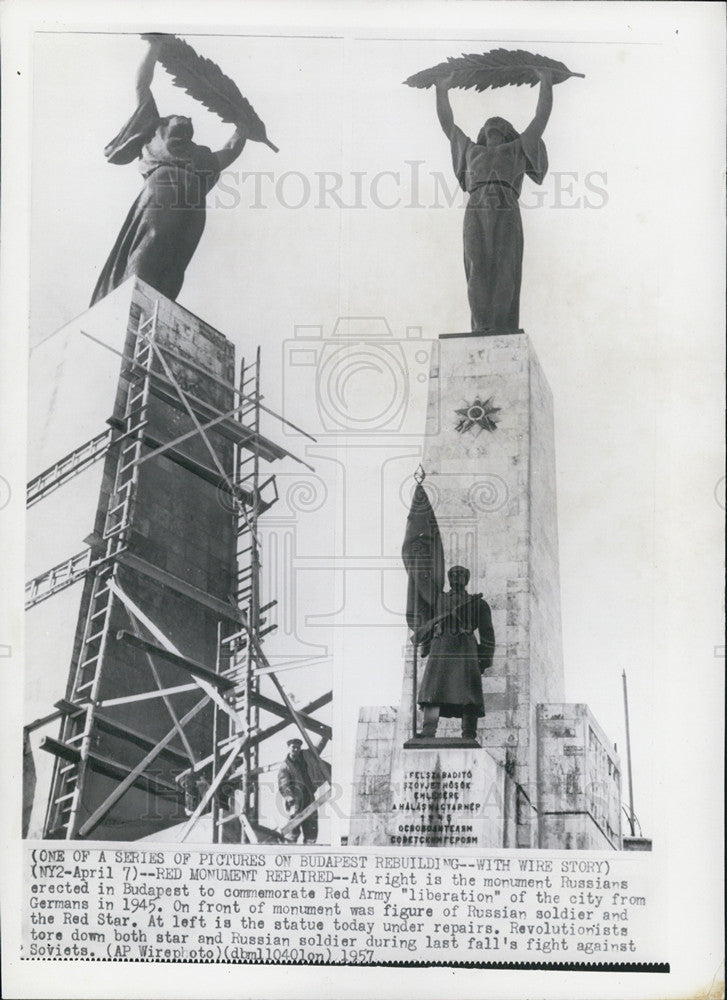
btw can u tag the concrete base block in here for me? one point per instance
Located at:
(436, 792)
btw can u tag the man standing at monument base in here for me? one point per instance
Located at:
(452, 681)
(298, 790)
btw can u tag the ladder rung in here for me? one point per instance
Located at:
(227, 819)
(133, 430)
(242, 633)
(232, 674)
(229, 739)
(234, 666)
(62, 798)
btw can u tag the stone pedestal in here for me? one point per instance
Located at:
(489, 459)
(449, 797)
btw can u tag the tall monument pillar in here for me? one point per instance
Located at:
(489, 460)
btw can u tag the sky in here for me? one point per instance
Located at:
(354, 228)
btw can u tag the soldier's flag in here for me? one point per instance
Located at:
(423, 557)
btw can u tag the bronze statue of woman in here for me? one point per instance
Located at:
(491, 170)
(165, 223)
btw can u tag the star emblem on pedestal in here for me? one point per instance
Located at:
(477, 414)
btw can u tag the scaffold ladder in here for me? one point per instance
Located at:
(70, 465)
(236, 651)
(75, 745)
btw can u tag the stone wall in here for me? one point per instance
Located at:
(371, 798)
(579, 781)
(181, 526)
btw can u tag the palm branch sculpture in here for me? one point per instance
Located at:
(203, 80)
(498, 68)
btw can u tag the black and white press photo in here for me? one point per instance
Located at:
(361, 499)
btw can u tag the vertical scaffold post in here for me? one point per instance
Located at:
(252, 681)
(69, 776)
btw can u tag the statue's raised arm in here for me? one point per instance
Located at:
(145, 72)
(444, 108)
(535, 129)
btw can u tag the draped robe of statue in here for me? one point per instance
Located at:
(452, 677)
(493, 232)
(165, 223)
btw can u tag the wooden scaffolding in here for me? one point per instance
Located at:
(221, 782)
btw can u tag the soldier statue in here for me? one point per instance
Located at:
(452, 683)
